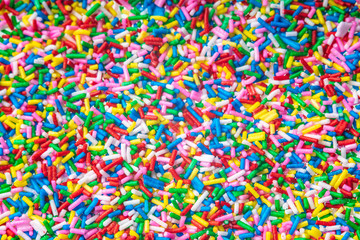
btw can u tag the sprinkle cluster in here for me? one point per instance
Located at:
(187, 119)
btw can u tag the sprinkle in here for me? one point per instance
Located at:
(179, 120)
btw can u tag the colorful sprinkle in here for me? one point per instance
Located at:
(187, 119)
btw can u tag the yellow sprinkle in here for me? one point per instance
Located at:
(131, 127)
(345, 79)
(262, 187)
(159, 18)
(173, 210)
(173, 12)
(339, 68)
(157, 202)
(4, 220)
(67, 157)
(341, 178)
(191, 47)
(27, 201)
(298, 206)
(193, 174)
(172, 24)
(298, 193)
(96, 148)
(256, 137)
(200, 220)
(317, 210)
(212, 211)
(310, 129)
(334, 180)
(316, 233)
(81, 32)
(323, 213)
(16, 41)
(10, 124)
(166, 200)
(302, 225)
(253, 107)
(72, 215)
(71, 133)
(290, 61)
(272, 115)
(268, 236)
(250, 35)
(133, 233)
(215, 181)
(267, 202)
(309, 79)
(328, 219)
(252, 190)
(26, 176)
(188, 200)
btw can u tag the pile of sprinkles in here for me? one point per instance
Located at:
(190, 119)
